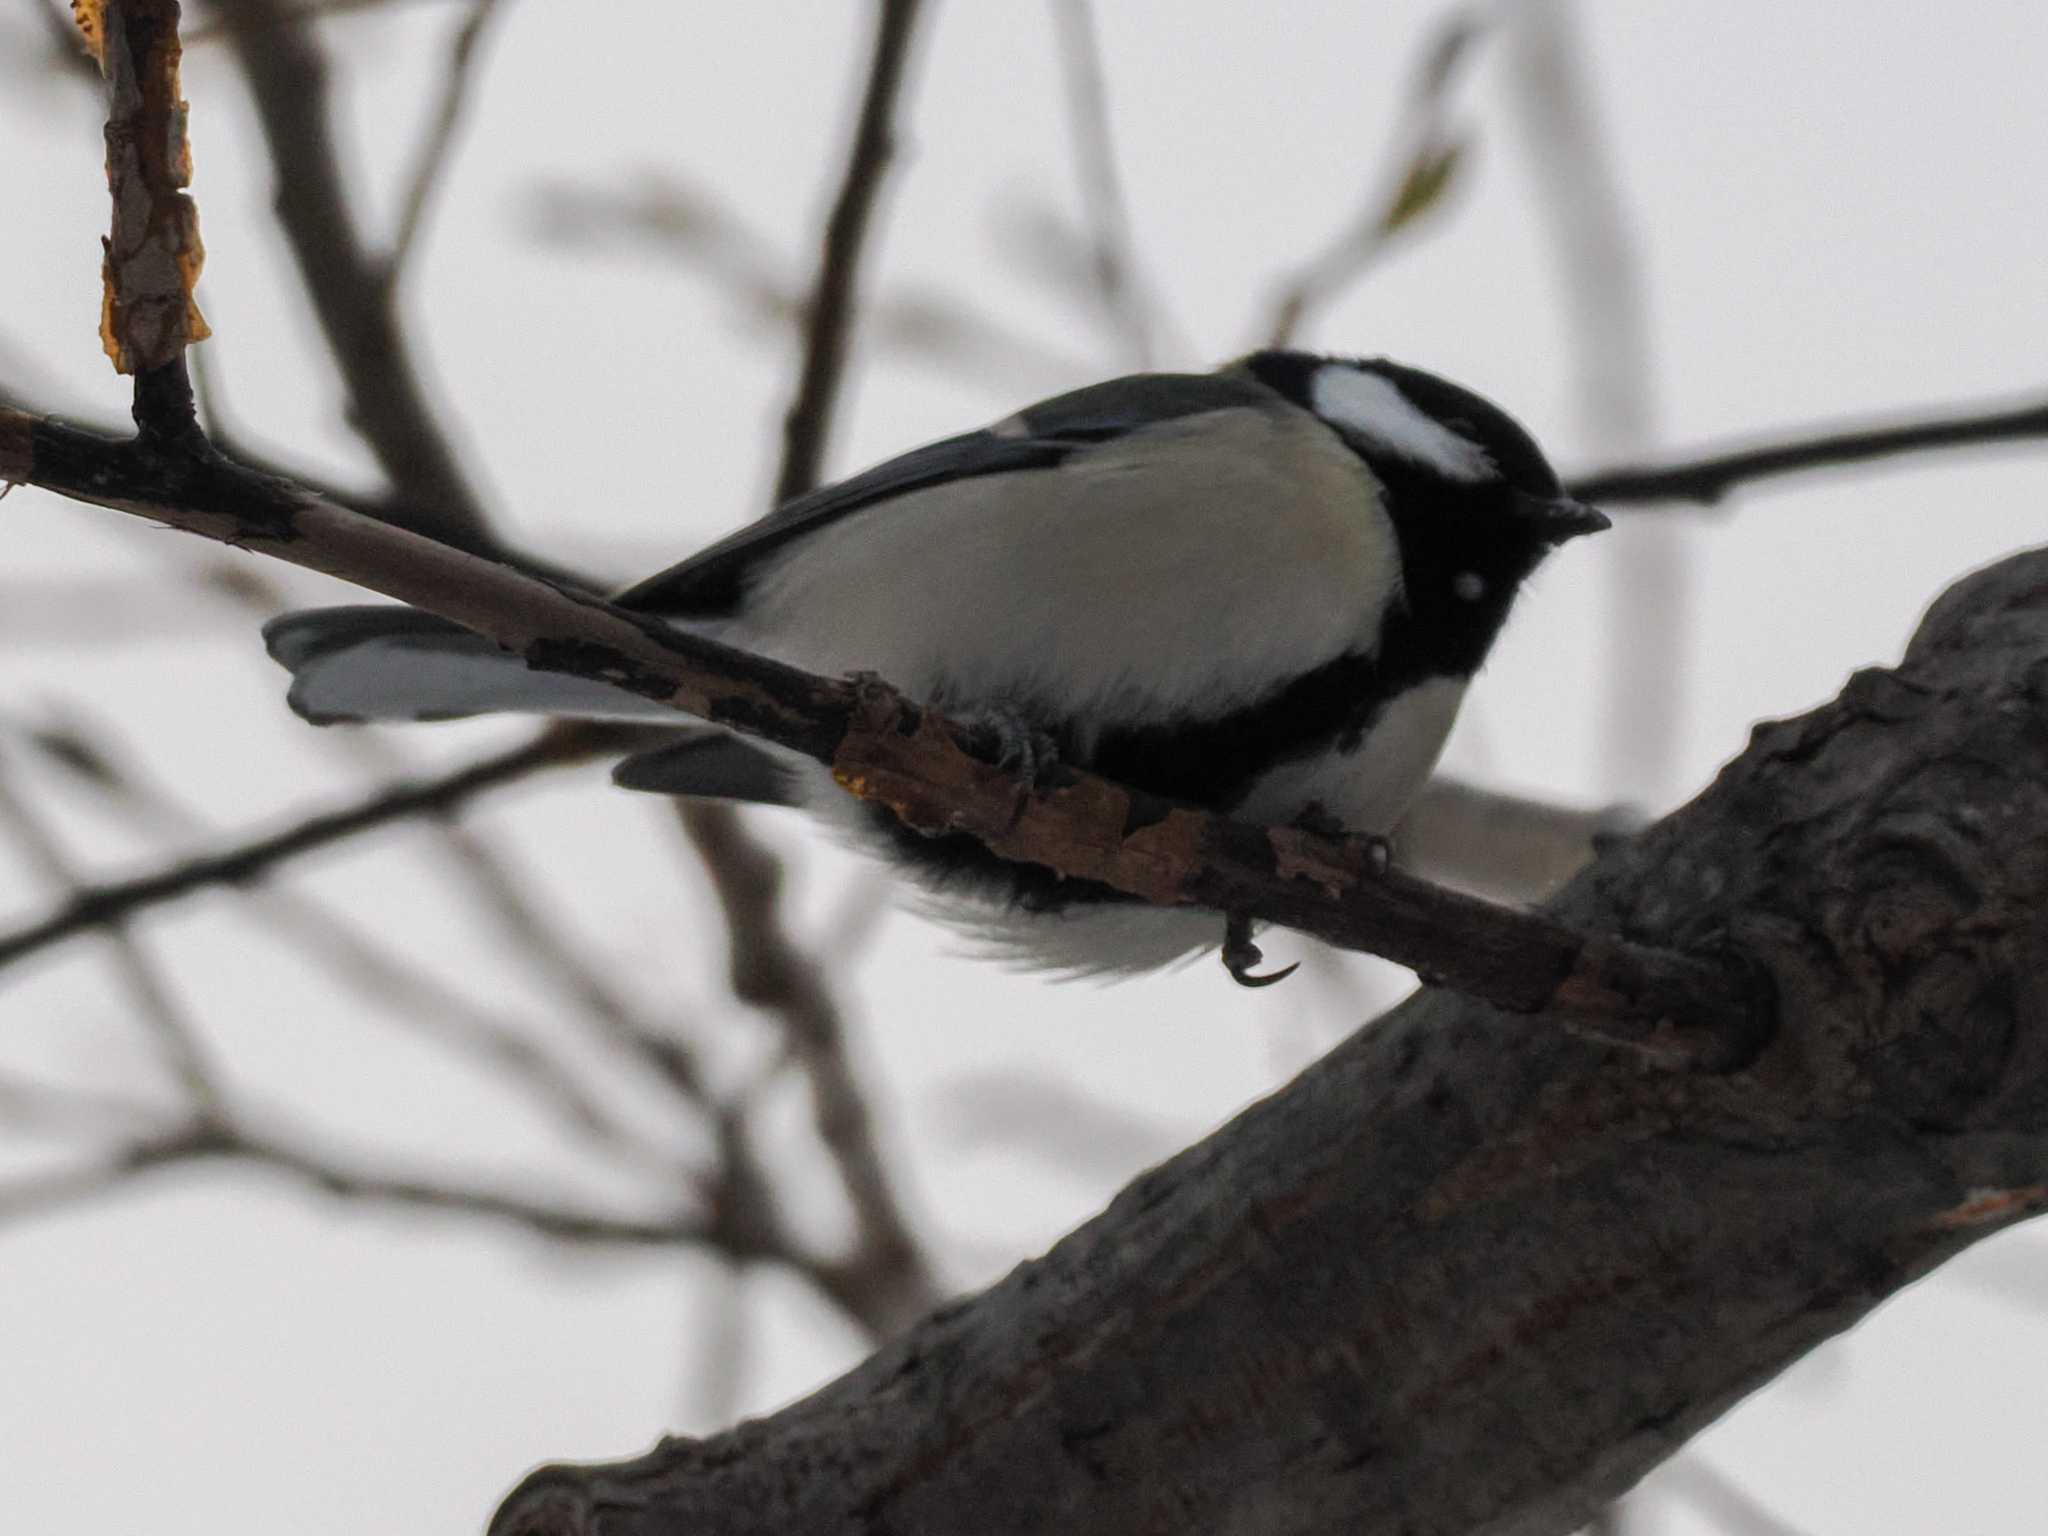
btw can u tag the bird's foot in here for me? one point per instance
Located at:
(1241, 955)
(1012, 743)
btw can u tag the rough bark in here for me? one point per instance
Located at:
(1467, 1275)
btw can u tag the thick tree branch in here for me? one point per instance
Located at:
(1465, 1279)
(1678, 1008)
(1709, 477)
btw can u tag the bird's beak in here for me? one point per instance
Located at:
(1562, 518)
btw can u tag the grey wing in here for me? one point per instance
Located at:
(711, 582)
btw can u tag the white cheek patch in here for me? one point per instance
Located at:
(1372, 408)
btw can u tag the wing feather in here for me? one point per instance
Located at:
(711, 582)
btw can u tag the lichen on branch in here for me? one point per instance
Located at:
(153, 254)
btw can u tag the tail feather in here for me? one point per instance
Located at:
(382, 662)
(710, 765)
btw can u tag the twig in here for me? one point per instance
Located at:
(1414, 174)
(1111, 252)
(412, 994)
(432, 157)
(356, 308)
(539, 942)
(1649, 576)
(207, 1140)
(1730, 1507)
(303, 13)
(115, 901)
(885, 1279)
(175, 1035)
(805, 426)
(1709, 477)
(1675, 1008)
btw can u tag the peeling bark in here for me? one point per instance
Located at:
(1466, 1275)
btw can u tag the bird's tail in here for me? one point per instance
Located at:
(381, 662)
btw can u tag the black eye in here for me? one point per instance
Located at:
(1469, 586)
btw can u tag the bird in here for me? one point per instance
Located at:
(1262, 591)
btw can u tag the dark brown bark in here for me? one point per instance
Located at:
(1467, 1277)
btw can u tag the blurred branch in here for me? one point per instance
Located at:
(830, 310)
(409, 993)
(207, 1140)
(1415, 173)
(1645, 572)
(432, 157)
(299, 13)
(1112, 257)
(1504, 847)
(885, 1279)
(158, 1010)
(1710, 477)
(91, 906)
(352, 300)
(685, 222)
(1729, 1507)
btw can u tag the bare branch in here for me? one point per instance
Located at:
(205, 1141)
(433, 154)
(1111, 251)
(116, 901)
(355, 306)
(1648, 576)
(1732, 1509)
(1680, 1009)
(1711, 476)
(830, 310)
(1415, 173)
(153, 254)
(885, 1280)
(1503, 847)
(176, 1038)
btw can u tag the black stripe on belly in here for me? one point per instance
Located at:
(1210, 763)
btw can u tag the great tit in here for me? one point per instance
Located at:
(1262, 590)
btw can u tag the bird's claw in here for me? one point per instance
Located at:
(1014, 743)
(1241, 955)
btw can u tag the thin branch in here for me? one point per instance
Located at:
(1732, 1509)
(1649, 577)
(1678, 1009)
(538, 941)
(1500, 846)
(885, 1279)
(176, 1037)
(1111, 251)
(303, 13)
(686, 224)
(116, 901)
(807, 423)
(1709, 477)
(205, 1140)
(356, 309)
(410, 993)
(1416, 170)
(433, 154)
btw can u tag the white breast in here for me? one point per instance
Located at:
(1369, 789)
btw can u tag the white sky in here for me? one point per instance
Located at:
(1838, 210)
